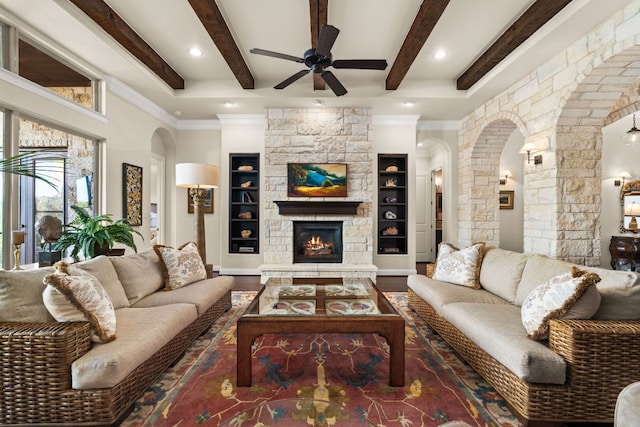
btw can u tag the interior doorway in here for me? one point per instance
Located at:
(156, 199)
(438, 218)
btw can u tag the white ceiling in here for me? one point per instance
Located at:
(369, 29)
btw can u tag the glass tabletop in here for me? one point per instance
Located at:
(297, 412)
(339, 297)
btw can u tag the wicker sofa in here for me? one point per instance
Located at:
(573, 377)
(52, 374)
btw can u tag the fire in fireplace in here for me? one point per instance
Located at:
(317, 241)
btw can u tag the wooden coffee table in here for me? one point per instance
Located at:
(313, 306)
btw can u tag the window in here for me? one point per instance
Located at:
(38, 66)
(65, 159)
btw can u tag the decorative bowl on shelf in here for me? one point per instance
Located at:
(245, 233)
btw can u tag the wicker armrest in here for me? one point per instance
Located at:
(431, 268)
(40, 354)
(599, 353)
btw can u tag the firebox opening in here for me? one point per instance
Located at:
(317, 241)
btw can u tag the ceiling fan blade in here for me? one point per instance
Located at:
(333, 83)
(326, 39)
(291, 79)
(360, 64)
(277, 55)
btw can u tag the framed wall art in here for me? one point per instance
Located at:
(316, 179)
(208, 202)
(132, 193)
(506, 199)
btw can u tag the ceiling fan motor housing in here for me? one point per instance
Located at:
(315, 62)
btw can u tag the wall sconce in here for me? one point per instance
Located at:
(633, 134)
(623, 176)
(530, 148)
(506, 174)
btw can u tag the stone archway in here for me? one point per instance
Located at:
(478, 180)
(578, 153)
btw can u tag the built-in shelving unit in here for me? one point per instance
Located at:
(244, 206)
(392, 204)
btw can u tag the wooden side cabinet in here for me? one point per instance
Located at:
(244, 207)
(625, 253)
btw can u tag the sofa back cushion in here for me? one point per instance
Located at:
(501, 272)
(140, 274)
(21, 296)
(103, 270)
(619, 292)
(538, 270)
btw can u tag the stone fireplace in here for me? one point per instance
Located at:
(330, 135)
(317, 241)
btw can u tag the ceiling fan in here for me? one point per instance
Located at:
(318, 59)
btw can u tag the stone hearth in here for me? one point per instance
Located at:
(340, 135)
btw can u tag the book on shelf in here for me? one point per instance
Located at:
(247, 249)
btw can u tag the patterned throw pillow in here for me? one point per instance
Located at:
(459, 266)
(181, 266)
(80, 299)
(566, 296)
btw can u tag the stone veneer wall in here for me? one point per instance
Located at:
(331, 135)
(565, 103)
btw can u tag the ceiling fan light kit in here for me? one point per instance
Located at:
(319, 58)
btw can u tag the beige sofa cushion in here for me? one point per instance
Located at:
(497, 329)
(567, 296)
(620, 293)
(538, 270)
(141, 333)
(437, 293)
(619, 290)
(81, 299)
(103, 270)
(501, 272)
(21, 296)
(202, 294)
(459, 266)
(140, 274)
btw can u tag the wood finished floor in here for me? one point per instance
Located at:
(385, 283)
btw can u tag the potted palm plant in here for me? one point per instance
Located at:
(95, 235)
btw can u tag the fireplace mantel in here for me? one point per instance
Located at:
(296, 207)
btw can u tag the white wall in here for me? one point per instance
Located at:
(397, 135)
(512, 220)
(199, 146)
(616, 157)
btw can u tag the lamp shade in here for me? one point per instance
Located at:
(632, 209)
(197, 175)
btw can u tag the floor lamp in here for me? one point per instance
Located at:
(198, 178)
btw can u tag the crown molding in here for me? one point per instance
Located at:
(125, 92)
(392, 119)
(439, 125)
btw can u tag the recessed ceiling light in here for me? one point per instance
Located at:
(419, 144)
(318, 102)
(229, 104)
(408, 103)
(194, 51)
(177, 113)
(440, 54)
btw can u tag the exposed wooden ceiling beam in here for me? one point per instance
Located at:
(318, 82)
(535, 17)
(117, 28)
(426, 19)
(213, 21)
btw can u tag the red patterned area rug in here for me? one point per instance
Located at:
(352, 371)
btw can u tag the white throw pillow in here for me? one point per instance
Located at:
(181, 266)
(80, 299)
(459, 266)
(566, 296)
